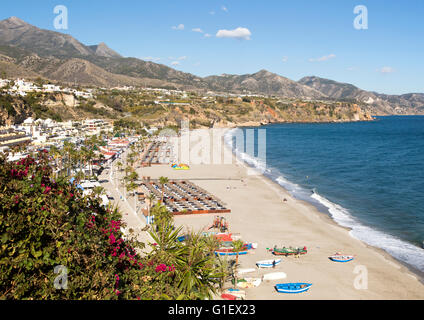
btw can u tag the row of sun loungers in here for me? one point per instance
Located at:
(184, 197)
(156, 153)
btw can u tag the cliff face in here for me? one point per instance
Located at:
(13, 110)
(376, 103)
(56, 106)
(237, 112)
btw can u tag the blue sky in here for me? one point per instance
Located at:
(291, 38)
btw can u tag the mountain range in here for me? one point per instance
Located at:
(31, 52)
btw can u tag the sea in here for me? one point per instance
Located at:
(367, 176)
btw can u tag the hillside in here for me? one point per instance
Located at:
(263, 82)
(378, 104)
(30, 52)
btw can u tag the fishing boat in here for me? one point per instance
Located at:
(240, 294)
(250, 246)
(341, 258)
(224, 252)
(182, 238)
(284, 251)
(249, 282)
(293, 287)
(274, 276)
(247, 270)
(229, 245)
(228, 296)
(268, 263)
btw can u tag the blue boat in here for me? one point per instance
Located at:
(229, 253)
(341, 258)
(293, 287)
(182, 238)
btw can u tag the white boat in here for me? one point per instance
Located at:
(274, 276)
(249, 282)
(268, 263)
(236, 292)
(247, 270)
(341, 258)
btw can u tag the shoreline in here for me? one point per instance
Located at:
(327, 217)
(259, 214)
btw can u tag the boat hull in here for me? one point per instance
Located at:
(268, 263)
(229, 253)
(293, 288)
(249, 283)
(274, 276)
(247, 270)
(239, 294)
(341, 258)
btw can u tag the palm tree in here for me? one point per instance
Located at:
(224, 268)
(55, 153)
(79, 176)
(119, 165)
(238, 246)
(162, 215)
(197, 276)
(151, 197)
(163, 181)
(98, 191)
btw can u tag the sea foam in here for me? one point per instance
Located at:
(399, 249)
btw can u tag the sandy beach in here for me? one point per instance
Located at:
(259, 214)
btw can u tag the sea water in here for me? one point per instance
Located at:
(368, 176)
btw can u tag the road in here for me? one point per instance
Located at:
(110, 180)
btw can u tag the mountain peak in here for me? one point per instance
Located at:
(264, 72)
(103, 50)
(15, 21)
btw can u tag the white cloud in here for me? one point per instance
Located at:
(285, 59)
(150, 58)
(179, 27)
(175, 63)
(224, 8)
(239, 33)
(177, 59)
(324, 58)
(197, 30)
(386, 70)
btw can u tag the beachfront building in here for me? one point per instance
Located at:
(95, 126)
(10, 138)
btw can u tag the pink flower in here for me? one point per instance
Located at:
(161, 268)
(171, 268)
(112, 239)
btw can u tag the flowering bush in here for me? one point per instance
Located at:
(45, 223)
